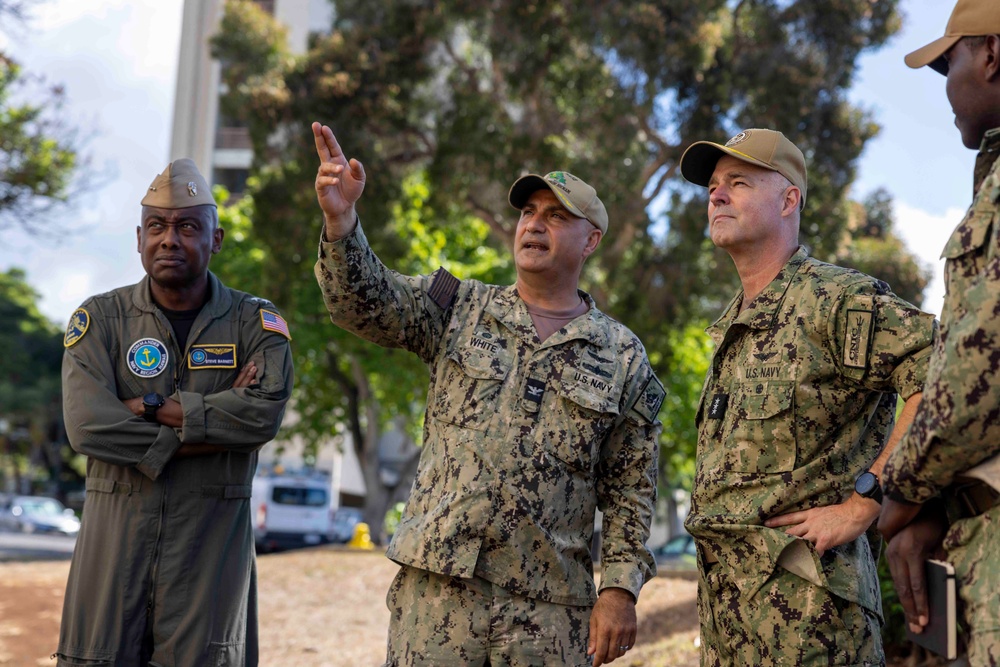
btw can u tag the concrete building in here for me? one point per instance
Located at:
(221, 146)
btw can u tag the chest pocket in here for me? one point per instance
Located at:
(762, 439)
(574, 420)
(965, 250)
(469, 387)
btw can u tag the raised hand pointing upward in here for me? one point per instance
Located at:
(339, 183)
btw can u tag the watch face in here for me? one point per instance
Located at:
(866, 484)
(152, 399)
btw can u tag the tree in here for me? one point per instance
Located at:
(38, 155)
(345, 385)
(876, 250)
(32, 437)
(467, 95)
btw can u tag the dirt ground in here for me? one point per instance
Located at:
(323, 607)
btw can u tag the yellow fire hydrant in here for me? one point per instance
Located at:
(362, 538)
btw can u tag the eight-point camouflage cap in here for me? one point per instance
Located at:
(764, 148)
(579, 198)
(179, 186)
(970, 18)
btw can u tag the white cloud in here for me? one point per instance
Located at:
(925, 235)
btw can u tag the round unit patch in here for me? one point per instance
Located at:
(147, 357)
(198, 356)
(739, 138)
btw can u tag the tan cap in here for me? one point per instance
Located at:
(579, 198)
(764, 148)
(970, 18)
(179, 186)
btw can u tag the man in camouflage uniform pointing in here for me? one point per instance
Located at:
(798, 403)
(540, 410)
(951, 452)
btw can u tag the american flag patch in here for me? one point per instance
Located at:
(274, 322)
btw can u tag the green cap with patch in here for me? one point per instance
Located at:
(578, 197)
(180, 185)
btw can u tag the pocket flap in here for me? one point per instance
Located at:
(970, 235)
(764, 400)
(107, 486)
(588, 397)
(479, 366)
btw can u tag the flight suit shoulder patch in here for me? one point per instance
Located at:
(79, 322)
(272, 321)
(443, 288)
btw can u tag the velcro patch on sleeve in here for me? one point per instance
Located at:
(443, 288)
(271, 321)
(650, 399)
(77, 327)
(858, 336)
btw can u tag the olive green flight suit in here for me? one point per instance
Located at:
(166, 547)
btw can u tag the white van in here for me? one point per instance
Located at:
(290, 511)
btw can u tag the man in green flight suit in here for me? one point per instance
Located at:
(170, 386)
(945, 474)
(540, 409)
(798, 404)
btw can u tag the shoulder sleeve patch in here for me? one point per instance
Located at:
(272, 321)
(79, 322)
(650, 399)
(443, 288)
(860, 314)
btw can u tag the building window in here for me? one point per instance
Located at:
(234, 180)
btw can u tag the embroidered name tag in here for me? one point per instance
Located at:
(212, 356)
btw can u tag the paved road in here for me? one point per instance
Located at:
(23, 547)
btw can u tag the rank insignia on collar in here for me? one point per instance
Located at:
(78, 325)
(717, 408)
(212, 356)
(147, 357)
(534, 390)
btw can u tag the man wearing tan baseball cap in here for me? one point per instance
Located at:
(797, 406)
(952, 452)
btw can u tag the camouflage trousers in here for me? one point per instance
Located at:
(973, 548)
(438, 621)
(790, 621)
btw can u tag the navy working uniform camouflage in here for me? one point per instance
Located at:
(523, 439)
(799, 400)
(166, 547)
(957, 426)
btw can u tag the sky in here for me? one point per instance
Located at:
(117, 60)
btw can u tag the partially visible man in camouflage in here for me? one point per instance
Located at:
(798, 403)
(540, 410)
(951, 451)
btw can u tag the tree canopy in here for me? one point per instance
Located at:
(459, 98)
(38, 152)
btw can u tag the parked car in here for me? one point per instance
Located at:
(677, 553)
(38, 514)
(342, 524)
(290, 511)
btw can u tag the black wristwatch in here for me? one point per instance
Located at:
(150, 404)
(867, 486)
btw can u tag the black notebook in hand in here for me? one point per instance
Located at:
(940, 635)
